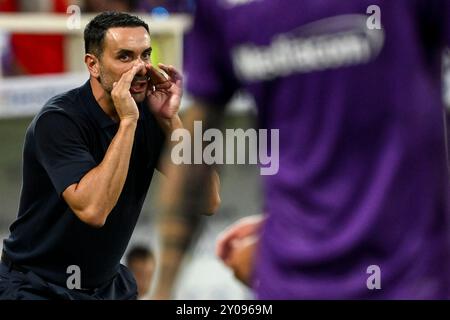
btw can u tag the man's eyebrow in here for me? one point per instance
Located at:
(124, 51)
(128, 51)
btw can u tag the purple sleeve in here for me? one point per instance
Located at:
(209, 73)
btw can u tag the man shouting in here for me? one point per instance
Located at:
(88, 160)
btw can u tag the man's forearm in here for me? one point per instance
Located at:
(98, 191)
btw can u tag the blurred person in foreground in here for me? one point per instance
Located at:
(358, 208)
(141, 262)
(88, 161)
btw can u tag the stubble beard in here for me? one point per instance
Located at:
(107, 84)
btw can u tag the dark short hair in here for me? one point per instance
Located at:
(138, 252)
(95, 31)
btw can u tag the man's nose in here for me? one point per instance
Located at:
(142, 70)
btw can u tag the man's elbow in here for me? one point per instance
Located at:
(93, 213)
(214, 199)
(214, 205)
(94, 217)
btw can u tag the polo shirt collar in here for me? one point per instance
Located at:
(94, 109)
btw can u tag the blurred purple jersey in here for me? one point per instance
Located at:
(362, 178)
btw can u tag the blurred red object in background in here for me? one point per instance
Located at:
(8, 6)
(38, 53)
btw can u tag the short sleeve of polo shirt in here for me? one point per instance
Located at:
(61, 149)
(207, 63)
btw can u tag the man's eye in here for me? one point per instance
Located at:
(123, 58)
(146, 56)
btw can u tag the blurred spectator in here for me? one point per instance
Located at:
(141, 262)
(110, 5)
(44, 5)
(170, 6)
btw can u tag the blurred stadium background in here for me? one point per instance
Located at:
(41, 55)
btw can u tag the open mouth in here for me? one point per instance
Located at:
(138, 86)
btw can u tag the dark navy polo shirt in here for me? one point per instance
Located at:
(65, 140)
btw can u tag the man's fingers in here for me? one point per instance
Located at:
(127, 77)
(224, 250)
(165, 85)
(224, 241)
(221, 250)
(222, 246)
(171, 72)
(248, 226)
(156, 77)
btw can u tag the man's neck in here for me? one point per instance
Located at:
(103, 99)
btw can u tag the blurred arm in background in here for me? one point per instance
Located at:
(188, 189)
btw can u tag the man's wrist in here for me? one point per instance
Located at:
(128, 122)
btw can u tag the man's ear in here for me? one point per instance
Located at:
(92, 64)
